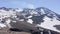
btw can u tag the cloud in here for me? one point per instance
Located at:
(16, 4)
(30, 6)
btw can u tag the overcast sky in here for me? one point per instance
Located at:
(53, 5)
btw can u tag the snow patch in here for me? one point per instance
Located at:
(19, 10)
(2, 25)
(8, 23)
(14, 21)
(42, 11)
(21, 20)
(29, 16)
(30, 21)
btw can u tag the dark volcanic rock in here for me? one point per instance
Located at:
(57, 27)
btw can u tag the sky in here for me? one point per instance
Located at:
(53, 5)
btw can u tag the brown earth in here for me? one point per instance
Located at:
(6, 31)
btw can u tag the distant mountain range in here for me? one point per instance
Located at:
(42, 17)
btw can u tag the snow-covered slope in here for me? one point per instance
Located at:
(5, 14)
(41, 16)
(49, 23)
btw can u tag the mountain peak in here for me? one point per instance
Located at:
(41, 8)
